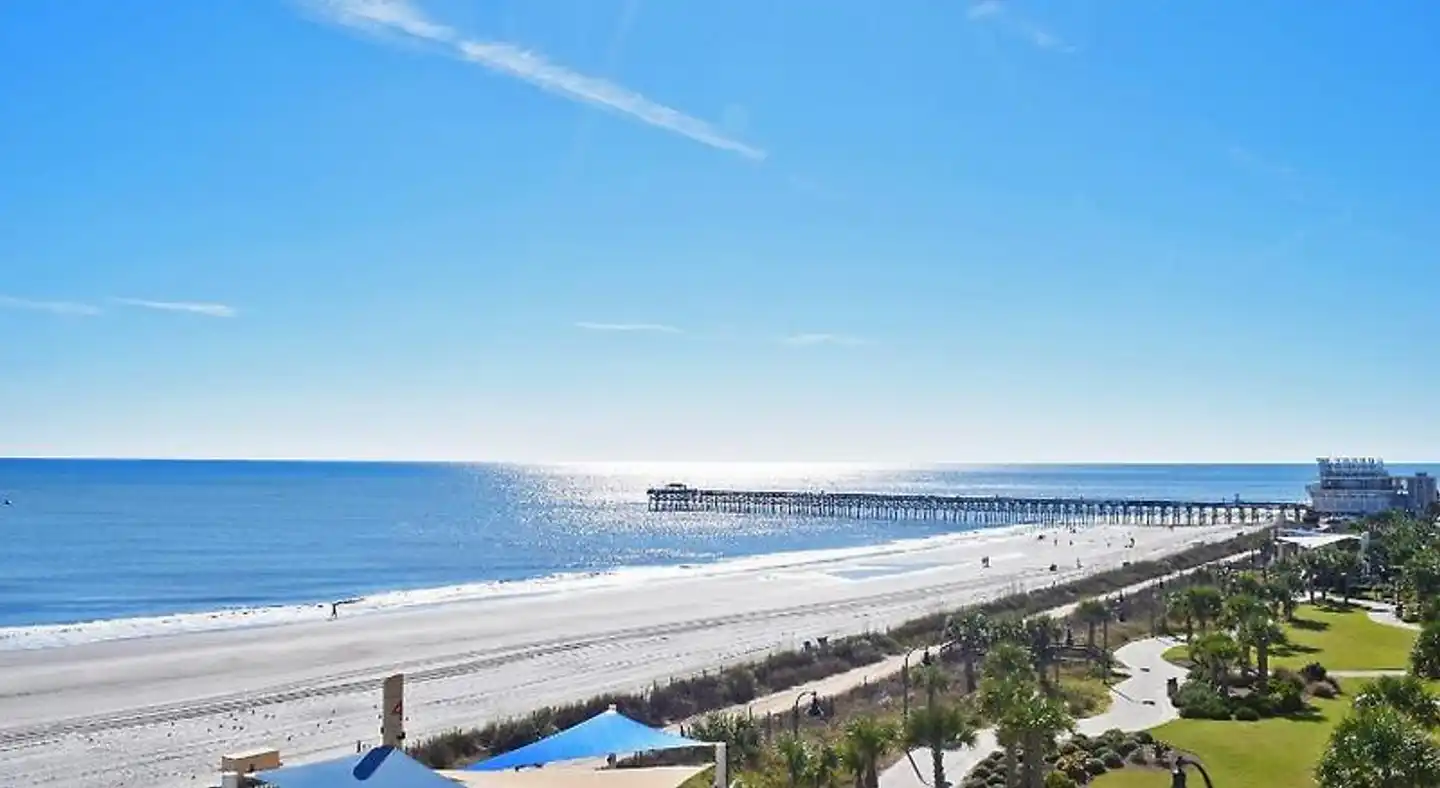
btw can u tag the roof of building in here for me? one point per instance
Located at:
(1317, 540)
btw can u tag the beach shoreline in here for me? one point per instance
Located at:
(160, 710)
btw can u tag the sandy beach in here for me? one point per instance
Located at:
(159, 711)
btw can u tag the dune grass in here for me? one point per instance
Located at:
(1273, 753)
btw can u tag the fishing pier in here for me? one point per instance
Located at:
(972, 509)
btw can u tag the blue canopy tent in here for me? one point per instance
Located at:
(382, 767)
(605, 733)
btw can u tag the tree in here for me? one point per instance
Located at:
(1379, 747)
(1206, 605)
(1033, 719)
(1177, 605)
(1090, 613)
(1408, 695)
(1425, 656)
(970, 634)
(1261, 633)
(868, 741)
(1009, 673)
(796, 755)
(940, 727)
(1215, 654)
(1285, 584)
(1241, 612)
(1041, 634)
(824, 766)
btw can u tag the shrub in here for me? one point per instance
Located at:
(1313, 672)
(1322, 689)
(1138, 757)
(1144, 737)
(1112, 759)
(1059, 780)
(1095, 766)
(1127, 746)
(1247, 714)
(974, 783)
(982, 771)
(1199, 700)
(1069, 748)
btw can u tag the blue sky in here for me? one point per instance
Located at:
(742, 230)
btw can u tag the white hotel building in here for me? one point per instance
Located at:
(1357, 486)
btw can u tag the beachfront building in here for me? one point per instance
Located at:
(1358, 486)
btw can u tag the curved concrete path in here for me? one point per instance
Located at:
(1383, 613)
(1138, 703)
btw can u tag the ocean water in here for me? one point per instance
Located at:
(102, 549)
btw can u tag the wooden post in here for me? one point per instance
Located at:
(392, 709)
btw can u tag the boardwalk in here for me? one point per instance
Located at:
(972, 509)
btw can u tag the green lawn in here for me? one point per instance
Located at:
(1339, 640)
(1344, 640)
(1274, 753)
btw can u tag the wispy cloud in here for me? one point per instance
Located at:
(53, 307)
(404, 18)
(1002, 15)
(190, 307)
(811, 340)
(653, 328)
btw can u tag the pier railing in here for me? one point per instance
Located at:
(972, 509)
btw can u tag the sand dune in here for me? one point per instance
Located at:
(158, 712)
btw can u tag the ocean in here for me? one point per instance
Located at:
(98, 549)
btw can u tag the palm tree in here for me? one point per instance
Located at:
(824, 766)
(1009, 672)
(940, 727)
(1243, 611)
(1008, 660)
(796, 755)
(1408, 695)
(971, 635)
(1261, 633)
(1041, 634)
(852, 761)
(1177, 605)
(1285, 584)
(868, 741)
(1033, 719)
(1206, 604)
(1091, 612)
(1376, 746)
(1215, 653)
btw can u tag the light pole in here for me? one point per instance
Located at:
(905, 678)
(815, 710)
(1177, 775)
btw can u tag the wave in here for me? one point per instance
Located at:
(42, 636)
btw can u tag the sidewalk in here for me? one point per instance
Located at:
(1383, 613)
(840, 683)
(1138, 703)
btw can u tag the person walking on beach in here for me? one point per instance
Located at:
(334, 610)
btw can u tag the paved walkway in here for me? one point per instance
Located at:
(840, 683)
(1383, 613)
(1137, 703)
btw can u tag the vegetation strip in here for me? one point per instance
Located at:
(682, 699)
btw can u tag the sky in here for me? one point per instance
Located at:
(813, 230)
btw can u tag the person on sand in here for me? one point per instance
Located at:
(334, 610)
